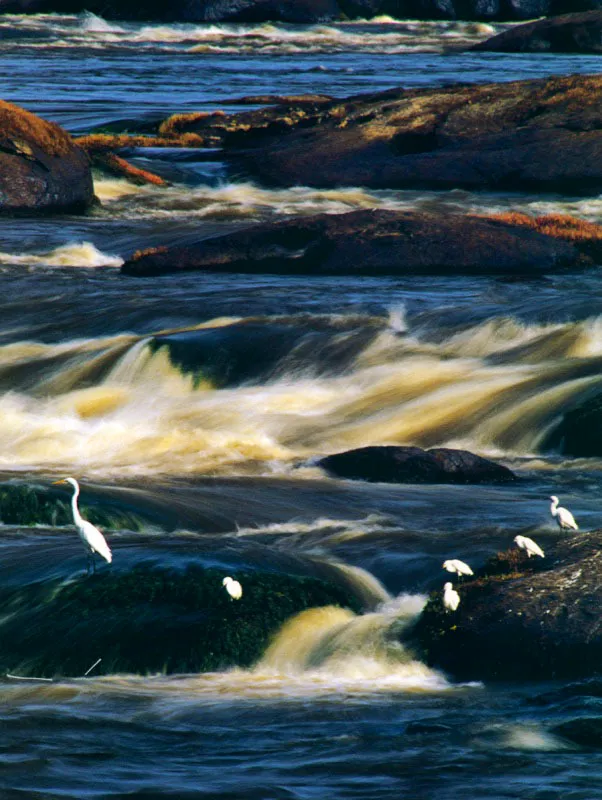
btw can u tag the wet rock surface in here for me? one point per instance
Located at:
(579, 432)
(535, 619)
(397, 464)
(569, 33)
(368, 242)
(41, 169)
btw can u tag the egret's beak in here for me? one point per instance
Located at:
(55, 483)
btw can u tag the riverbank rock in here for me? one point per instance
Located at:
(302, 11)
(536, 619)
(41, 169)
(368, 243)
(396, 464)
(570, 33)
(543, 135)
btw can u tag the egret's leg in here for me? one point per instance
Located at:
(93, 563)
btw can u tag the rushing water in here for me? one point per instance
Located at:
(193, 407)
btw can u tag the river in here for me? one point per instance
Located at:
(192, 409)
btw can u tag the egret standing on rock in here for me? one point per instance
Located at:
(92, 538)
(457, 566)
(532, 548)
(233, 588)
(451, 598)
(564, 518)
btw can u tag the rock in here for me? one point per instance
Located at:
(579, 432)
(41, 169)
(395, 464)
(539, 621)
(543, 135)
(571, 33)
(367, 242)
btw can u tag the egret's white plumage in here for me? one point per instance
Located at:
(91, 537)
(233, 588)
(451, 598)
(531, 547)
(564, 518)
(457, 566)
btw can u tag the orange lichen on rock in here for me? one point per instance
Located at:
(174, 125)
(585, 235)
(120, 166)
(148, 251)
(21, 127)
(102, 142)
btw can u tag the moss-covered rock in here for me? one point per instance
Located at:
(152, 620)
(24, 504)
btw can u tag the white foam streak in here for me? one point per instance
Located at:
(76, 254)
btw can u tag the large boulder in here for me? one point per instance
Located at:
(570, 33)
(41, 169)
(535, 619)
(543, 134)
(396, 464)
(368, 242)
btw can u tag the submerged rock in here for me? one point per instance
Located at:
(41, 169)
(368, 243)
(396, 464)
(543, 134)
(570, 33)
(153, 619)
(579, 433)
(537, 620)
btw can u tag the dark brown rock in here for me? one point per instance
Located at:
(396, 464)
(570, 33)
(540, 621)
(368, 242)
(579, 431)
(543, 134)
(41, 169)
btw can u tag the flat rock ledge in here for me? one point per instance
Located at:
(41, 169)
(397, 464)
(522, 619)
(369, 243)
(543, 135)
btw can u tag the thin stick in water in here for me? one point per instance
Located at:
(95, 664)
(23, 678)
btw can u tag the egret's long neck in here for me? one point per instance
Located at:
(77, 517)
(553, 507)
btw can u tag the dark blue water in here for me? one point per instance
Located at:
(224, 477)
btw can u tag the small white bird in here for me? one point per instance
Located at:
(91, 537)
(532, 548)
(564, 518)
(451, 598)
(233, 588)
(457, 566)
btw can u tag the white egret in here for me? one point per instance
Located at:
(564, 518)
(91, 537)
(532, 548)
(457, 566)
(233, 588)
(451, 598)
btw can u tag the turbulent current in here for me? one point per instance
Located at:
(194, 408)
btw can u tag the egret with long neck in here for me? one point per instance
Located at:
(91, 537)
(564, 518)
